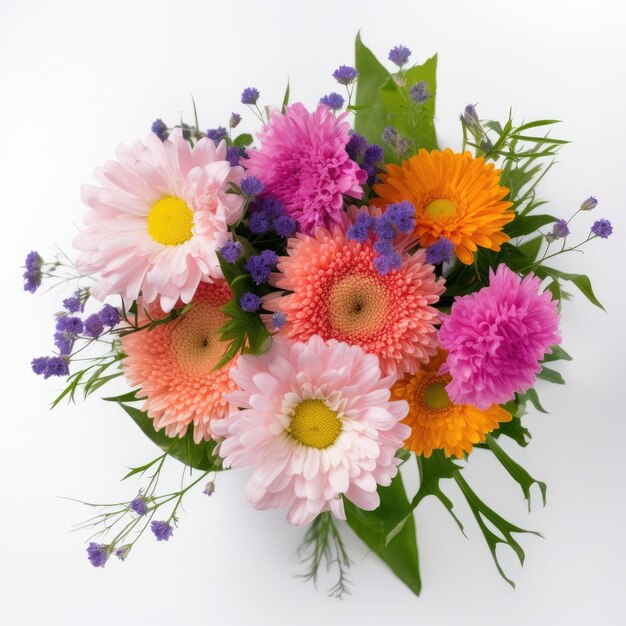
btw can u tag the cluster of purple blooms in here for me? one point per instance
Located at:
(68, 329)
(440, 251)
(259, 266)
(32, 275)
(333, 101)
(368, 156)
(397, 218)
(600, 228)
(269, 214)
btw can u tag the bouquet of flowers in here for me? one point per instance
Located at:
(320, 307)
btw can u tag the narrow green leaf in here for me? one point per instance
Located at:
(580, 280)
(285, 99)
(532, 395)
(557, 354)
(536, 124)
(551, 376)
(525, 225)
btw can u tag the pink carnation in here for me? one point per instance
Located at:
(497, 337)
(303, 163)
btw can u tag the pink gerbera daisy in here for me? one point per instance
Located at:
(303, 163)
(497, 337)
(172, 364)
(157, 220)
(337, 292)
(315, 423)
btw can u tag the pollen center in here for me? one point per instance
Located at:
(196, 340)
(436, 397)
(314, 424)
(170, 221)
(440, 209)
(357, 304)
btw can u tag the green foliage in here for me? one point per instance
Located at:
(580, 280)
(399, 552)
(245, 139)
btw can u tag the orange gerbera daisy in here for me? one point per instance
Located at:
(173, 366)
(455, 196)
(438, 424)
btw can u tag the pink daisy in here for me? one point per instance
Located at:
(497, 337)
(336, 292)
(303, 163)
(315, 423)
(172, 365)
(157, 219)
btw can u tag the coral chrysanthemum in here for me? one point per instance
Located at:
(497, 337)
(172, 364)
(315, 423)
(456, 196)
(438, 424)
(338, 293)
(158, 218)
(303, 163)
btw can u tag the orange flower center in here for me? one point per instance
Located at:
(196, 341)
(441, 209)
(357, 304)
(314, 424)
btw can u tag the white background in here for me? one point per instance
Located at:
(76, 79)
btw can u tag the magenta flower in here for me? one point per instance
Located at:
(496, 338)
(303, 163)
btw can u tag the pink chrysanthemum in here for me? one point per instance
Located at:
(315, 422)
(338, 293)
(496, 337)
(157, 220)
(303, 163)
(172, 364)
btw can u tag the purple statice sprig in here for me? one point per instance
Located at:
(439, 252)
(269, 215)
(260, 266)
(399, 55)
(369, 156)
(345, 75)
(602, 228)
(250, 302)
(333, 101)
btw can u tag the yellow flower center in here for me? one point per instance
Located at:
(436, 397)
(358, 304)
(314, 424)
(170, 221)
(440, 209)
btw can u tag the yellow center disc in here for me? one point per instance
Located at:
(440, 209)
(436, 397)
(314, 424)
(170, 221)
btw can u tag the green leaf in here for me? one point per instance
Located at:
(551, 376)
(526, 224)
(197, 455)
(557, 354)
(517, 472)
(532, 395)
(398, 104)
(580, 280)
(371, 117)
(400, 553)
(483, 514)
(285, 99)
(514, 430)
(245, 139)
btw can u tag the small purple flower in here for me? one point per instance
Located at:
(109, 316)
(373, 154)
(284, 226)
(249, 302)
(122, 552)
(399, 55)
(234, 120)
(279, 319)
(269, 257)
(232, 251)
(64, 341)
(56, 366)
(93, 326)
(33, 261)
(602, 229)
(384, 227)
(590, 203)
(260, 266)
(32, 275)
(389, 136)
(159, 128)
(98, 554)
(384, 247)
(272, 208)
(251, 186)
(356, 146)
(470, 116)
(333, 101)
(74, 304)
(440, 251)
(70, 324)
(217, 134)
(401, 215)
(359, 231)
(162, 530)
(250, 95)
(139, 506)
(419, 92)
(233, 155)
(259, 223)
(209, 489)
(39, 365)
(560, 230)
(345, 74)
(384, 264)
